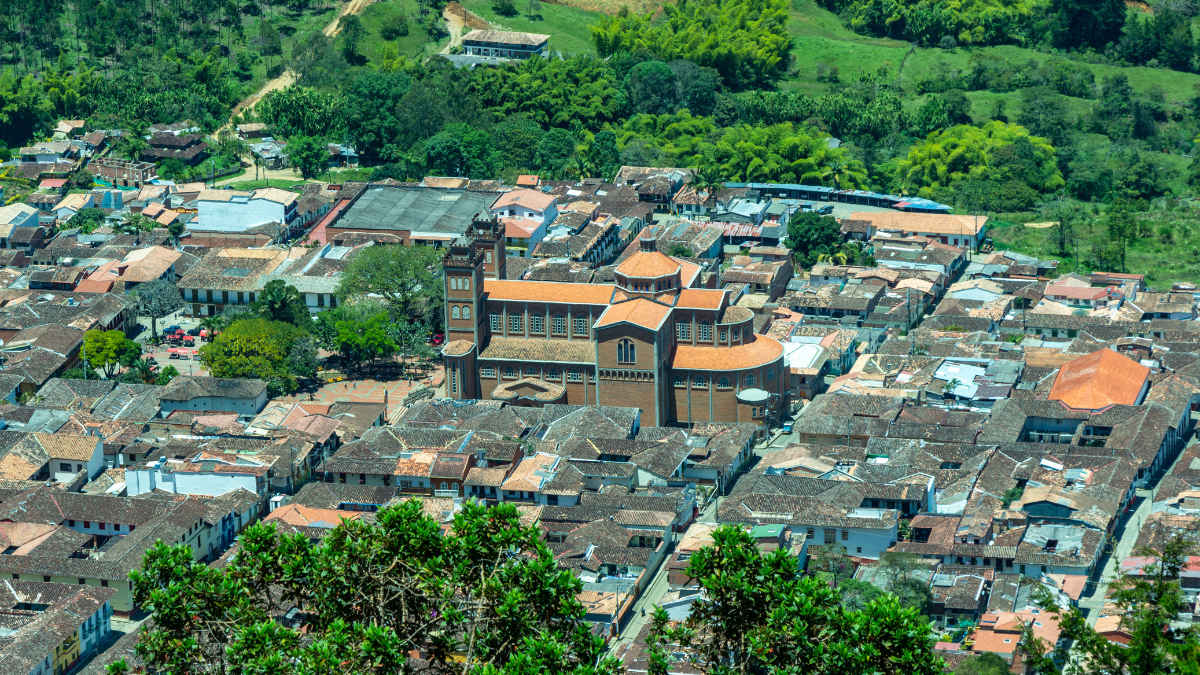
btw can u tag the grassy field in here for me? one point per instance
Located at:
(1168, 252)
(568, 27)
(415, 44)
(274, 182)
(614, 6)
(818, 36)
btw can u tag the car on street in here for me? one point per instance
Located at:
(194, 331)
(172, 329)
(825, 210)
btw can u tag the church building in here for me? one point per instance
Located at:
(655, 339)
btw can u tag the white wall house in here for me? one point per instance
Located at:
(866, 533)
(210, 478)
(246, 209)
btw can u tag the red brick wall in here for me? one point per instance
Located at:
(578, 393)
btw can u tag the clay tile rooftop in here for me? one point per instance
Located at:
(648, 264)
(1099, 380)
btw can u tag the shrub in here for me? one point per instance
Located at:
(395, 27)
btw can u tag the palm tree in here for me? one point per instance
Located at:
(213, 324)
(707, 180)
(145, 370)
(838, 171)
(276, 300)
(581, 166)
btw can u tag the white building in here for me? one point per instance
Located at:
(246, 209)
(204, 474)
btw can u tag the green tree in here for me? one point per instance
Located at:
(164, 378)
(1121, 226)
(557, 147)
(352, 33)
(1148, 601)
(365, 341)
(104, 349)
(280, 301)
(745, 40)
(987, 663)
(1086, 24)
(408, 278)
(603, 153)
(486, 595)
(156, 300)
(87, 220)
(856, 595)
(143, 372)
(271, 44)
(994, 152)
(650, 88)
(303, 111)
(254, 348)
(308, 155)
(760, 615)
(810, 235)
(504, 7)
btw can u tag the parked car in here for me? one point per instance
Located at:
(825, 210)
(194, 331)
(172, 329)
(437, 339)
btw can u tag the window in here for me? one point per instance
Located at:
(487, 257)
(104, 583)
(64, 467)
(724, 334)
(745, 333)
(684, 331)
(626, 351)
(494, 319)
(723, 383)
(487, 372)
(845, 535)
(466, 283)
(508, 372)
(830, 536)
(581, 325)
(552, 374)
(531, 371)
(87, 524)
(678, 380)
(770, 375)
(705, 331)
(537, 323)
(444, 485)
(811, 533)
(454, 313)
(514, 323)
(558, 324)
(699, 382)
(466, 312)
(751, 380)
(858, 549)
(454, 283)
(574, 376)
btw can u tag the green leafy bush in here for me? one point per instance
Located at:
(745, 40)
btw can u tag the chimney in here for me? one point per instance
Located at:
(649, 244)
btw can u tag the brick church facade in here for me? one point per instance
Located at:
(654, 340)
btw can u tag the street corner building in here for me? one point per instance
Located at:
(655, 340)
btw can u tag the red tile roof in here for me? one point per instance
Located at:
(1099, 380)
(548, 291)
(762, 351)
(640, 312)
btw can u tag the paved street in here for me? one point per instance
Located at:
(1126, 536)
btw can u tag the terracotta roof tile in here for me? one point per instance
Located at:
(1099, 380)
(590, 294)
(649, 264)
(640, 312)
(762, 351)
(701, 298)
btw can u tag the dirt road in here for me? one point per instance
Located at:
(288, 77)
(457, 17)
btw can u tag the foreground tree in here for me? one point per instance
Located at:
(279, 301)
(810, 235)
(485, 597)
(760, 616)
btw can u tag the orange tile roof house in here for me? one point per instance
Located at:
(948, 229)
(655, 339)
(1099, 380)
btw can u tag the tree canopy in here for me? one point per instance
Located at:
(995, 152)
(408, 278)
(745, 40)
(254, 348)
(487, 593)
(760, 615)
